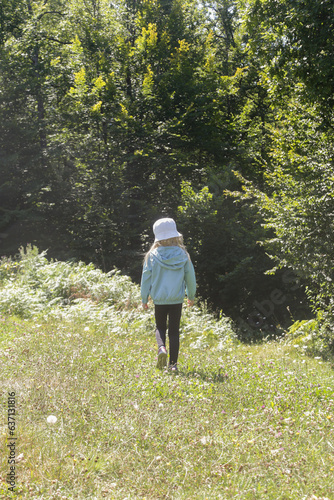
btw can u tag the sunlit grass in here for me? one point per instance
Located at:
(237, 421)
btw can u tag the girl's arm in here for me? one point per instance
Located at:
(190, 280)
(145, 285)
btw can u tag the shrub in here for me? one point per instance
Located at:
(315, 336)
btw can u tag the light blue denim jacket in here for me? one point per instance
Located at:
(167, 275)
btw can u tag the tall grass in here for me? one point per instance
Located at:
(33, 287)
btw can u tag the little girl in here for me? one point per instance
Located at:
(167, 275)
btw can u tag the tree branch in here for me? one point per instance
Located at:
(56, 40)
(50, 12)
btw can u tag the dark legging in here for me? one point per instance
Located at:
(173, 312)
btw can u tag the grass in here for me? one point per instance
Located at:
(237, 421)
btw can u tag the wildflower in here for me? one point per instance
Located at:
(51, 419)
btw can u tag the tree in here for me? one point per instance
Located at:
(113, 115)
(295, 40)
(33, 39)
(300, 204)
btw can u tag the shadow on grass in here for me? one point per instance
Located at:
(206, 375)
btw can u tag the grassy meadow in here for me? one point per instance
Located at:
(237, 421)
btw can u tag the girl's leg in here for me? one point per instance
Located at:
(161, 312)
(174, 313)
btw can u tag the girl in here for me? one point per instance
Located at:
(167, 275)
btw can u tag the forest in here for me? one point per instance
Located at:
(218, 114)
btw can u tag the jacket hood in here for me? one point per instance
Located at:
(170, 257)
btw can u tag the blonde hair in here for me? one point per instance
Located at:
(170, 242)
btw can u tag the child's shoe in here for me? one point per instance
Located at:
(173, 368)
(162, 357)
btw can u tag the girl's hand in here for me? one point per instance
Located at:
(145, 306)
(190, 303)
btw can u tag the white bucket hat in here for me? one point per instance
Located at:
(164, 229)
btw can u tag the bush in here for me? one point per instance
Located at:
(315, 336)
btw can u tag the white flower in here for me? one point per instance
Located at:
(51, 419)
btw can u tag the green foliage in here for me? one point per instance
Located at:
(115, 114)
(295, 39)
(315, 337)
(33, 287)
(229, 262)
(121, 102)
(300, 205)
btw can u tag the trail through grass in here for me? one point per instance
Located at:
(247, 422)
